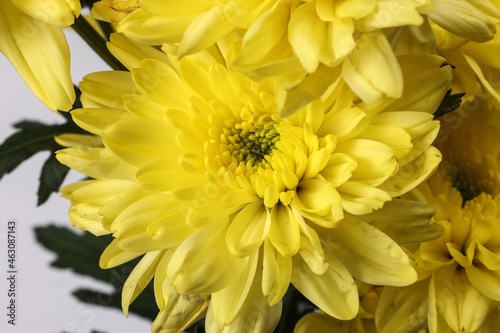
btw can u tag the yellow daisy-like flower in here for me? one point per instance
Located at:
(459, 271)
(299, 41)
(230, 203)
(32, 39)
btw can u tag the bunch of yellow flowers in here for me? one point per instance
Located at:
(251, 147)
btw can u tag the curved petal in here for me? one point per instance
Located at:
(369, 254)
(248, 229)
(202, 264)
(371, 70)
(142, 273)
(57, 12)
(333, 292)
(40, 54)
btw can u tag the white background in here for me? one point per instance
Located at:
(44, 300)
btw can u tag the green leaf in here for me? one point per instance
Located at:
(144, 305)
(33, 137)
(80, 252)
(448, 104)
(51, 178)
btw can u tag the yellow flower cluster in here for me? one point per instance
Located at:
(252, 146)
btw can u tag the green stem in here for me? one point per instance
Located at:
(96, 42)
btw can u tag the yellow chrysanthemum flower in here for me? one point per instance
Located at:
(229, 203)
(300, 41)
(32, 39)
(460, 287)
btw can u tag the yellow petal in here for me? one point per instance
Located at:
(376, 161)
(370, 255)
(291, 97)
(465, 308)
(359, 198)
(160, 83)
(371, 70)
(414, 173)
(406, 222)
(180, 312)
(57, 12)
(316, 196)
(345, 123)
(227, 303)
(306, 34)
(402, 309)
(95, 120)
(130, 53)
(113, 10)
(114, 256)
(266, 32)
(142, 273)
(149, 29)
(284, 231)
(248, 229)
(485, 281)
(388, 14)
(204, 31)
(40, 54)
(255, 316)
(338, 169)
(276, 274)
(321, 322)
(202, 264)
(108, 88)
(130, 227)
(334, 291)
(96, 162)
(140, 141)
(87, 217)
(464, 19)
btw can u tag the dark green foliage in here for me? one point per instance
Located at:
(448, 104)
(33, 137)
(80, 252)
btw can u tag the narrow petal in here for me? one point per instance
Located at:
(108, 88)
(202, 264)
(57, 12)
(255, 316)
(372, 70)
(370, 255)
(402, 309)
(142, 273)
(248, 229)
(227, 303)
(113, 256)
(204, 31)
(406, 222)
(284, 231)
(334, 291)
(276, 274)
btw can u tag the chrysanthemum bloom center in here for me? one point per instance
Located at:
(469, 183)
(250, 142)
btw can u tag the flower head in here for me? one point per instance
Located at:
(459, 270)
(32, 39)
(230, 203)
